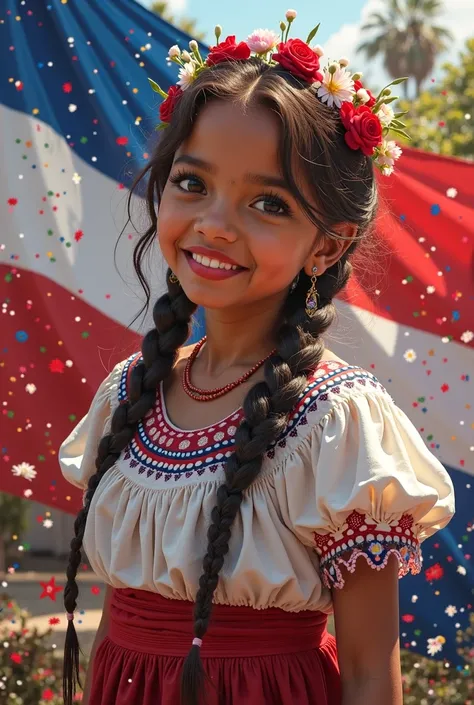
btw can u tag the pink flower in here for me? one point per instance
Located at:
(262, 40)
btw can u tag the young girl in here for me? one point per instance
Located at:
(240, 480)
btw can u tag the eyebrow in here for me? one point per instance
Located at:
(260, 179)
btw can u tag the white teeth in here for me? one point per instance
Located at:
(212, 263)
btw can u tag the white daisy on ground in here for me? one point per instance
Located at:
(452, 192)
(76, 178)
(30, 388)
(187, 74)
(451, 610)
(48, 523)
(24, 470)
(336, 87)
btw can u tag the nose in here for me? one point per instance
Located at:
(215, 224)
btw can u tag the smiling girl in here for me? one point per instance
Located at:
(240, 490)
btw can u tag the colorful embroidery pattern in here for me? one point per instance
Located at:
(165, 451)
(376, 541)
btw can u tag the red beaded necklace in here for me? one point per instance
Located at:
(210, 394)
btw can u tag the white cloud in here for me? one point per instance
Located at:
(459, 19)
(175, 6)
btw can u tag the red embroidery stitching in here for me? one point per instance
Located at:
(361, 535)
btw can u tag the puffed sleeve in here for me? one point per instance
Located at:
(371, 489)
(78, 452)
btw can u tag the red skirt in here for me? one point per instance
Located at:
(253, 657)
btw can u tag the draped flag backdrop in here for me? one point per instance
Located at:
(77, 123)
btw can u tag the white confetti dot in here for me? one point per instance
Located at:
(72, 108)
(452, 192)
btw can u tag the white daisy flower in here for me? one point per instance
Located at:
(388, 153)
(24, 470)
(451, 610)
(48, 523)
(435, 645)
(336, 87)
(452, 192)
(467, 336)
(410, 355)
(385, 115)
(30, 388)
(76, 178)
(187, 74)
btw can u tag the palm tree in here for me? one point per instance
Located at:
(407, 38)
(187, 24)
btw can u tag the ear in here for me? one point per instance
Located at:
(326, 251)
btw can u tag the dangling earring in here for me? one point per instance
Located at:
(312, 296)
(173, 278)
(295, 283)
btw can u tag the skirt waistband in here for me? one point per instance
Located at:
(147, 622)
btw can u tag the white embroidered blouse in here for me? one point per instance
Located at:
(349, 478)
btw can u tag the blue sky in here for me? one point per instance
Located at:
(340, 31)
(243, 16)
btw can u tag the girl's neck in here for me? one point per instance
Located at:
(237, 341)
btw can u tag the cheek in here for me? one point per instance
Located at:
(171, 224)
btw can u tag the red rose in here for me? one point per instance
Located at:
(228, 50)
(298, 58)
(357, 86)
(168, 105)
(364, 130)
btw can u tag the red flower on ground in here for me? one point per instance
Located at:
(298, 58)
(228, 50)
(16, 658)
(54, 620)
(364, 130)
(167, 106)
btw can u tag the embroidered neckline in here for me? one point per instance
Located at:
(163, 450)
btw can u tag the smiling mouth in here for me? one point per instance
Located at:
(213, 263)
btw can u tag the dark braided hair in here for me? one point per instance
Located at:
(172, 316)
(343, 185)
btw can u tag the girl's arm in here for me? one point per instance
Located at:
(102, 632)
(367, 633)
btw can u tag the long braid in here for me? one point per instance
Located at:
(266, 408)
(172, 316)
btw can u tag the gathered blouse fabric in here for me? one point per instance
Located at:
(350, 478)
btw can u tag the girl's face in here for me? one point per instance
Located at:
(226, 200)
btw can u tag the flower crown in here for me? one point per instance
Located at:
(367, 119)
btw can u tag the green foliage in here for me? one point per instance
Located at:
(441, 119)
(30, 671)
(13, 521)
(187, 24)
(406, 37)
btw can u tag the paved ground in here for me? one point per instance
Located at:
(25, 587)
